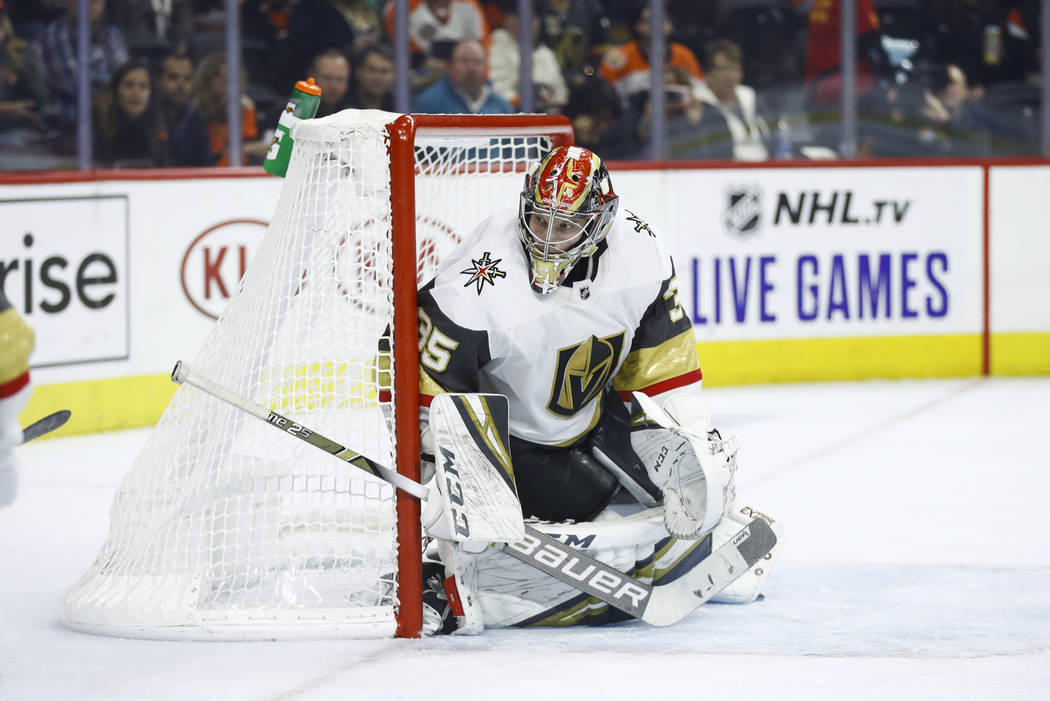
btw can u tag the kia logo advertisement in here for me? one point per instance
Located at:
(215, 261)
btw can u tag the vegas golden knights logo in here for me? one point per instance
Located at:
(582, 372)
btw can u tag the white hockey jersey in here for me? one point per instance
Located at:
(484, 329)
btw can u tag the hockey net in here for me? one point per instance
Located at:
(225, 528)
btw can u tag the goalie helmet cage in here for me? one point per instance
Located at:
(224, 528)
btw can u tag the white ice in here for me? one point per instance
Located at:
(916, 565)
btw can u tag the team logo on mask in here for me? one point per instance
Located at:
(582, 372)
(484, 270)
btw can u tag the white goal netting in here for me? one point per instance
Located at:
(225, 527)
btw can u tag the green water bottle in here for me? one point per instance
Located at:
(303, 104)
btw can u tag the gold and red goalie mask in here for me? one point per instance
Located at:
(566, 208)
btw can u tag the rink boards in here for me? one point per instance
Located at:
(822, 272)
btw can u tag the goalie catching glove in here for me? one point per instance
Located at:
(688, 460)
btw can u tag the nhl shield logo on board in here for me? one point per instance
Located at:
(743, 216)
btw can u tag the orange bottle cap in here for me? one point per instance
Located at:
(308, 86)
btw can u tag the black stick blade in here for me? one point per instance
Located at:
(45, 425)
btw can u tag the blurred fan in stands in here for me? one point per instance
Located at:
(187, 130)
(57, 50)
(331, 70)
(24, 98)
(209, 96)
(373, 79)
(129, 129)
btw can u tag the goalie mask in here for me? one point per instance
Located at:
(566, 208)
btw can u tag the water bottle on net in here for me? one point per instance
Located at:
(302, 104)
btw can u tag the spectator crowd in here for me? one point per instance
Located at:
(743, 79)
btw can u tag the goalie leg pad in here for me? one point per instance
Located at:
(438, 617)
(512, 593)
(472, 501)
(450, 593)
(748, 587)
(461, 586)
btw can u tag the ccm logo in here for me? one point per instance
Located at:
(604, 580)
(454, 490)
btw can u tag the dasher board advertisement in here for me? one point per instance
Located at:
(64, 265)
(821, 252)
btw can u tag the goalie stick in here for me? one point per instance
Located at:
(659, 605)
(45, 425)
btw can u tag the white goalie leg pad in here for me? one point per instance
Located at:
(473, 499)
(511, 592)
(748, 586)
(690, 462)
(462, 566)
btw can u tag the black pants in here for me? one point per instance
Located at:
(567, 483)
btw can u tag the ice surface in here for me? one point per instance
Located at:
(916, 565)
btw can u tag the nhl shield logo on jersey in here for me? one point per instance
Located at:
(743, 210)
(484, 270)
(582, 372)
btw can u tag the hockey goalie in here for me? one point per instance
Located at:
(569, 308)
